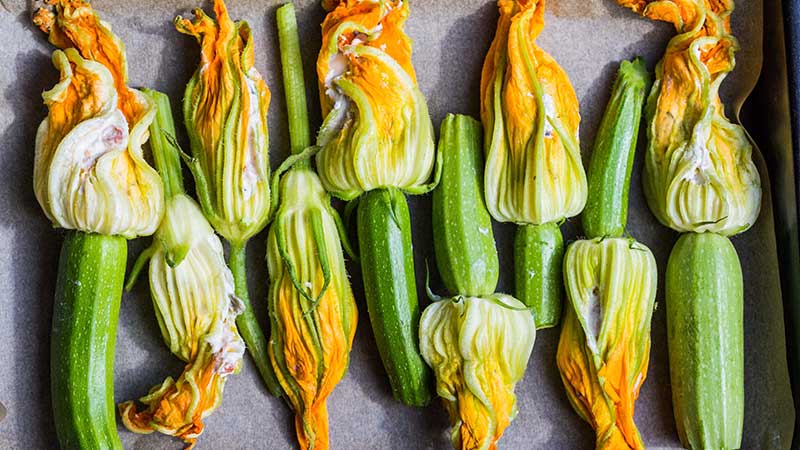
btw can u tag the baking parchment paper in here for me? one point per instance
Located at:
(587, 37)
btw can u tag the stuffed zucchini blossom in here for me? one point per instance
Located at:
(377, 131)
(89, 170)
(193, 297)
(312, 309)
(604, 350)
(479, 349)
(699, 171)
(534, 174)
(225, 106)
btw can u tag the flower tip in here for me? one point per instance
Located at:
(312, 428)
(131, 418)
(220, 9)
(177, 408)
(44, 18)
(330, 5)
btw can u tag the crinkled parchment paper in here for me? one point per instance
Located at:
(587, 37)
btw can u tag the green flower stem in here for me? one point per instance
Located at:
(246, 321)
(293, 81)
(164, 146)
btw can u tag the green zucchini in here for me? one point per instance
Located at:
(704, 297)
(464, 244)
(88, 291)
(387, 268)
(538, 255)
(606, 209)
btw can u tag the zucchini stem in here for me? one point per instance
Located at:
(248, 324)
(294, 84)
(166, 152)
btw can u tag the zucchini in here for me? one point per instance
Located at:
(464, 244)
(704, 296)
(610, 167)
(387, 268)
(88, 291)
(538, 255)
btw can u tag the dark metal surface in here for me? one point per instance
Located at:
(790, 257)
(777, 98)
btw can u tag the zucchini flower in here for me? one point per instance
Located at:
(193, 298)
(312, 309)
(89, 171)
(699, 173)
(479, 349)
(377, 131)
(604, 348)
(225, 107)
(91, 178)
(529, 110)
(194, 301)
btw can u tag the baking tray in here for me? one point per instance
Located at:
(587, 37)
(778, 96)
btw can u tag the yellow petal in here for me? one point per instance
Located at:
(177, 408)
(74, 24)
(604, 348)
(89, 172)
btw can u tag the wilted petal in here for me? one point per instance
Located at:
(74, 24)
(89, 172)
(192, 291)
(699, 171)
